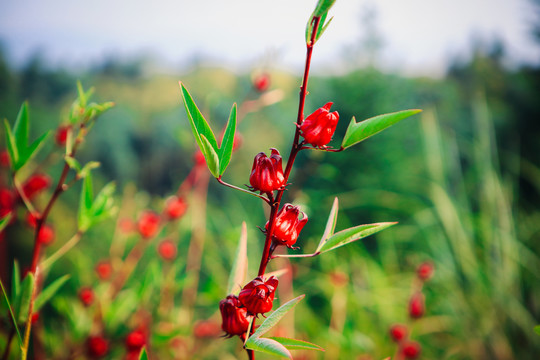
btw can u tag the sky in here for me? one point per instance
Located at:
(418, 36)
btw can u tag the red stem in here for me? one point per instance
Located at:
(295, 149)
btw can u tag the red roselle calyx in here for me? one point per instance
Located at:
(258, 295)
(97, 346)
(288, 225)
(175, 207)
(261, 82)
(425, 271)
(167, 250)
(398, 332)
(411, 350)
(319, 127)
(417, 305)
(233, 316)
(86, 295)
(61, 135)
(104, 269)
(135, 340)
(35, 184)
(267, 172)
(148, 224)
(46, 235)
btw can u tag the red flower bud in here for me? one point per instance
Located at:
(288, 225)
(398, 332)
(35, 184)
(261, 82)
(135, 340)
(175, 207)
(319, 127)
(267, 172)
(417, 305)
(258, 295)
(97, 346)
(86, 295)
(148, 224)
(46, 235)
(104, 269)
(411, 350)
(233, 316)
(61, 135)
(35, 318)
(425, 271)
(167, 250)
(5, 161)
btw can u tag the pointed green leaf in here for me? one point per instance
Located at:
(85, 204)
(294, 344)
(537, 329)
(274, 317)
(225, 152)
(35, 147)
(5, 221)
(199, 125)
(49, 292)
(13, 150)
(347, 236)
(240, 264)
(15, 281)
(321, 10)
(330, 224)
(143, 355)
(25, 297)
(212, 160)
(72, 163)
(11, 313)
(268, 346)
(87, 168)
(357, 132)
(20, 129)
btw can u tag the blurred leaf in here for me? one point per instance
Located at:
(321, 10)
(49, 292)
(240, 264)
(11, 313)
(268, 346)
(347, 236)
(227, 142)
(87, 168)
(93, 211)
(274, 317)
(143, 355)
(73, 163)
(330, 224)
(22, 305)
(294, 344)
(211, 156)
(15, 281)
(122, 307)
(164, 338)
(537, 329)
(5, 221)
(17, 140)
(357, 132)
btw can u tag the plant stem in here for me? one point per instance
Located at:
(243, 190)
(295, 149)
(64, 249)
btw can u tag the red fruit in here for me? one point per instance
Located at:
(148, 224)
(135, 340)
(31, 220)
(97, 346)
(261, 82)
(267, 172)
(233, 316)
(425, 271)
(167, 250)
(258, 295)
(417, 305)
(61, 135)
(288, 225)
(5, 161)
(411, 350)
(175, 207)
(319, 127)
(398, 332)
(35, 317)
(35, 184)
(104, 269)
(46, 235)
(86, 295)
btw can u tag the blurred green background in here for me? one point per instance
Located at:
(462, 179)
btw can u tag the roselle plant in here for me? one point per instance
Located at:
(244, 305)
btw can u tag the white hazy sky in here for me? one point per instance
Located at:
(420, 36)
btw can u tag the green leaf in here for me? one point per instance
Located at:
(240, 264)
(537, 329)
(5, 221)
(357, 132)
(87, 168)
(73, 163)
(294, 344)
(11, 313)
(321, 11)
(211, 156)
(36, 146)
(330, 224)
(11, 145)
(227, 142)
(85, 204)
(49, 292)
(92, 211)
(15, 281)
(274, 317)
(22, 305)
(199, 125)
(143, 355)
(20, 129)
(268, 346)
(347, 236)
